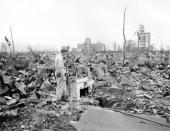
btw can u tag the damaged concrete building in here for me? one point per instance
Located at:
(144, 39)
(89, 48)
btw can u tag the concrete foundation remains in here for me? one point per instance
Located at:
(81, 87)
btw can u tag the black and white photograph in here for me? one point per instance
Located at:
(84, 65)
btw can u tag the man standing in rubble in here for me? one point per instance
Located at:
(60, 73)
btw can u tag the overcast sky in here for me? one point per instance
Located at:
(53, 23)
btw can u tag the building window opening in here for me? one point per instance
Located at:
(84, 92)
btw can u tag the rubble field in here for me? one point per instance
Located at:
(27, 95)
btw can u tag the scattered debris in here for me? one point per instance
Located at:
(27, 89)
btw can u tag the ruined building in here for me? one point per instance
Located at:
(144, 39)
(88, 48)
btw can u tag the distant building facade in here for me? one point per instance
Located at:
(130, 45)
(144, 38)
(74, 49)
(99, 47)
(88, 48)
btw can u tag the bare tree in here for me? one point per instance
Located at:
(13, 48)
(114, 46)
(9, 44)
(124, 45)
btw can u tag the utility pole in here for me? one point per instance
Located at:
(124, 45)
(13, 49)
(138, 43)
